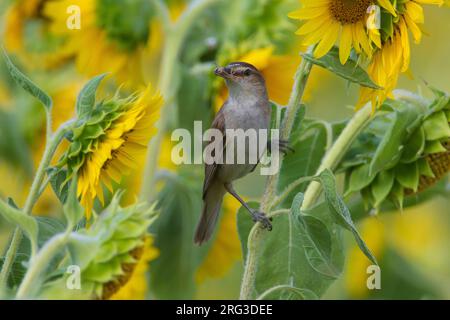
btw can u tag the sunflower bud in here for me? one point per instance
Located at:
(403, 152)
(122, 241)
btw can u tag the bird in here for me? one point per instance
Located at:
(247, 107)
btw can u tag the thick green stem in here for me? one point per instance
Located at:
(36, 186)
(337, 151)
(257, 234)
(39, 262)
(175, 37)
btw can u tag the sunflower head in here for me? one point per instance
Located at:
(115, 19)
(109, 141)
(327, 21)
(349, 11)
(403, 152)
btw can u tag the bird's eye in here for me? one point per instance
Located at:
(247, 72)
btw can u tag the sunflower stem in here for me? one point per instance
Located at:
(351, 131)
(39, 262)
(175, 37)
(257, 234)
(334, 155)
(52, 143)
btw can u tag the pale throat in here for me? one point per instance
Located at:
(246, 95)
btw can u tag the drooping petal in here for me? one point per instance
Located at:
(345, 45)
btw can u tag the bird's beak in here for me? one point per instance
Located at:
(222, 72)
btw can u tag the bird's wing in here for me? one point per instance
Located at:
(210, 169)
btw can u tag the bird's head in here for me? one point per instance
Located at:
(242, 78)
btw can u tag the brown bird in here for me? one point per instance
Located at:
(247, 107)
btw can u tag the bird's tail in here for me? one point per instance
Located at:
(212, 202)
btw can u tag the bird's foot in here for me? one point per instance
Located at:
(263, 219)
(283, 146)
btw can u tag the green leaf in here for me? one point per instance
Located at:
(408, 175)
(28, 85)
(59, 184)
(73, 211)
(382, 186)
(25, 222)
(82, 249)
(86, 97)
(310, 147)
(390, 148)
(387, 25)
(424, 168)
(174, 234)
(316, 240)
(434, 147)
(287, 292)
(13, 146)
(350, 71)
(436, 126)
(415, 146)
(398, 194)
(48, 227)
(283, 261)
(439, 104)
(359, 179)
(340, 210)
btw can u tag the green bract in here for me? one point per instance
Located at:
(89, 130)
(405, 150)
(106, 252)
(126, 22)
(120, 236)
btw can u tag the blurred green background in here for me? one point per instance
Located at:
(412, 245)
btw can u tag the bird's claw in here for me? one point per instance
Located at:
(263, 219)
(283, 147)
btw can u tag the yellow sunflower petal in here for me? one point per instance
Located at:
(308, 13)
(386, 4)
(327, 41)
(346, 44)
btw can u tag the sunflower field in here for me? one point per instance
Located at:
(94, 203)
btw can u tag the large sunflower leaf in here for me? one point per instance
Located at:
(309, 144)
(340, 211)
(401, 127)
(350, 71)
(26, 83)
(26, 223)
(298, 260)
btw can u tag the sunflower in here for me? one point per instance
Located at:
(110, 143)
(35, 49)
(327, 19)
(393, 56)
(16, 16)
(121, 31)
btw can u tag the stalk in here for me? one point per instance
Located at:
(40, 262)
(337, 151)
(257, 234)
(52, 144)
(175, 37)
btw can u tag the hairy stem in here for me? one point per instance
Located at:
(337, 151)
(175, 37)
(39, 262)
(50, 149)
(257, 234)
